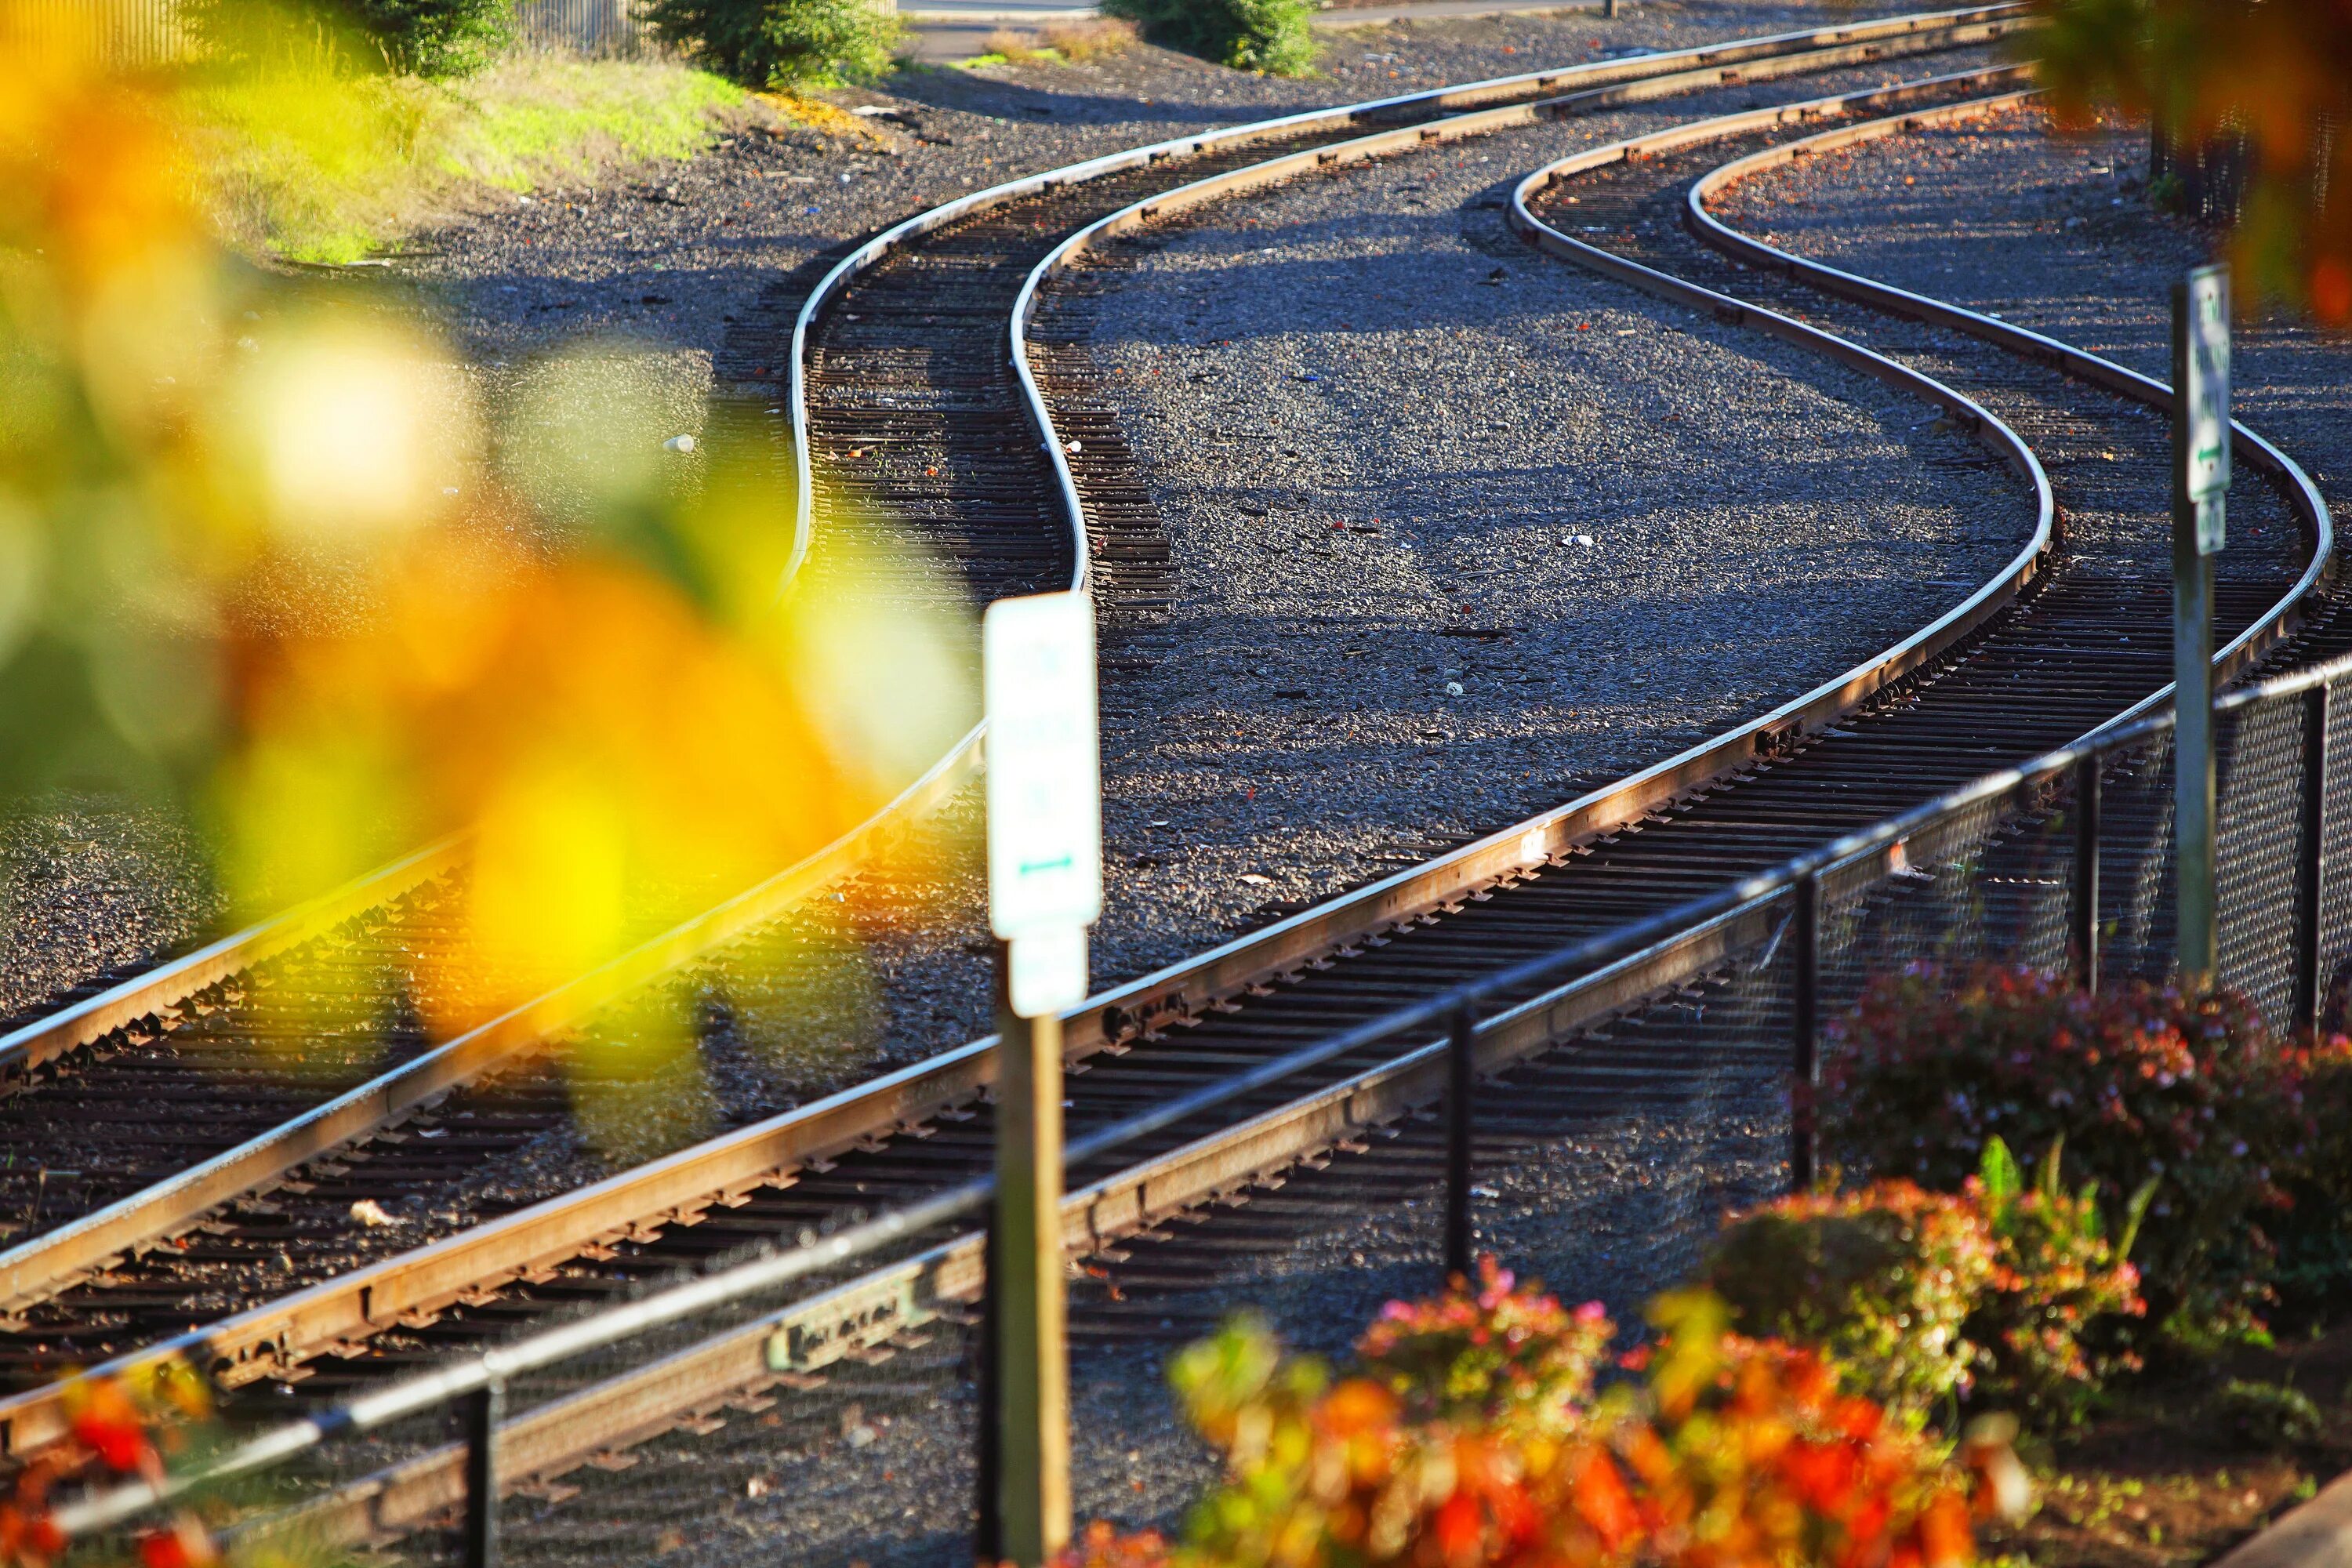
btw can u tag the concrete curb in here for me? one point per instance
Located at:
(2318, 1534)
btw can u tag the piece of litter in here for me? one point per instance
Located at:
(1255, 880)
(873, 109)
(1453, 688)
(1585, 540)
(367, 1211)
(1074, 449)
(1158, 822)
(678, 444)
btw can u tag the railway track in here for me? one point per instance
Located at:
(260, 1214)
(2025, 666)
(1544, 908)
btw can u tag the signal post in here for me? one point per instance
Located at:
(2200, 483)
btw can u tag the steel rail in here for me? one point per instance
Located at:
(1688, 941)
(1256, 176)
(1735, 52)
(2249, 445)
(59, 1257)
(62, 1257)
(44, 1040)
(1682, 62)
(546, 1441)
(1611, 971)
(2235, 657)
(340, 1313)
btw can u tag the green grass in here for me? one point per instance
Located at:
(319, 165)
(533, 120)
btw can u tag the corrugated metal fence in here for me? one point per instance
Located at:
(151, 32)
(601, 26)
(125, 32)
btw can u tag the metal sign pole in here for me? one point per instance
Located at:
(1032, 1388)
(1045, 889)
(2200, 480)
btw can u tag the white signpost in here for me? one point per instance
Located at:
(1045, 794)
(1045, 889)
(2206, 403)
(2201, 482)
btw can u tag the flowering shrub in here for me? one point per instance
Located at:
(1498, 1354)
(1881, 1279)
(1474, 1437)
(2058, 1275)
(1101, 1546)
(2140, 1081)
(2315, 1265)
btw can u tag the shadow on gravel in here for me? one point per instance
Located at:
(984, 95)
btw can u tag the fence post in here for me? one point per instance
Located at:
(1461, 1085)
(483, 1408)
(988, 1528)
(1804, 1109)
(2312, 873)
(2086, 873)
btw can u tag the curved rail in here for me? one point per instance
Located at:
(1785, 725)
(272, 1337)
(2252, 448)
(1676, 62)
(57, 1258)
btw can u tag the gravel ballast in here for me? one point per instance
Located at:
(1458, 527)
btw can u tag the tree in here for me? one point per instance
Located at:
(2276, 74)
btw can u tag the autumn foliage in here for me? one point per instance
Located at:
(2006, 1291)
(120, 1429)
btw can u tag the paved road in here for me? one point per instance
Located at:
(958, 30)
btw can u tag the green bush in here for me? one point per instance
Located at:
(1268, 35)
(415, 38)
(1883, 1279)
(2314, 1263)
(2270, 1413)
(435, 37)
(2140, 1082)
(782, 43)
(1999, 1290)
